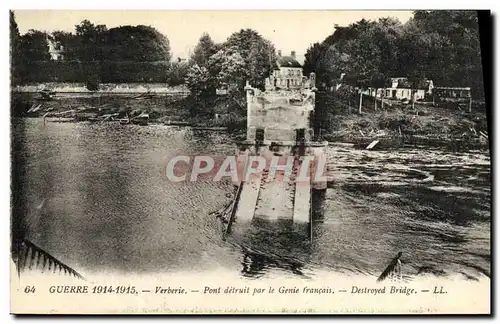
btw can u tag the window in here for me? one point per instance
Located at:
(300, 134)
(259, 134)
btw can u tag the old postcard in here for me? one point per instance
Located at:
(249, 162)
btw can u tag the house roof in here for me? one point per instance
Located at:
(403, 83)
(452, 88)
(288, 61)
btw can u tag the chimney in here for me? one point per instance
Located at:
(279, 52)
(292, 54)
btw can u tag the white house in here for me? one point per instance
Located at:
(400, 89)
(288, 75)
(56, 50)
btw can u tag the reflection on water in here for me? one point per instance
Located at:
(280, 246)
(256, 265)
(95, 196)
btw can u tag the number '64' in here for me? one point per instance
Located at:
(29, 289)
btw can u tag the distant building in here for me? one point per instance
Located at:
(401, 89)
(452, 92)
(56, 50)
(288, 75)
(458, 96)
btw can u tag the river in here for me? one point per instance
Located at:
(95, 196)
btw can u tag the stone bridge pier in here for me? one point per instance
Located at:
(286, 180)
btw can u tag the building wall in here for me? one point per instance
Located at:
(395, 93)
(56, 56)
(403, 93)
(56, 51)
(287, 78)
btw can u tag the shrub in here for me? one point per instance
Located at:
(92, 82)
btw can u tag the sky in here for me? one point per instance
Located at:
(288, 30)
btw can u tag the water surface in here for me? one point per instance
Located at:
(95, 196)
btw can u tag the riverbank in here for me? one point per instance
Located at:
(168, 109)
(392, 127)
(400, 123)
(114, 88)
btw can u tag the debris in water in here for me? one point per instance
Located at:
(40, 206)
(372, 144)
(393, 269)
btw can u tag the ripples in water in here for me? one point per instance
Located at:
(106, 205)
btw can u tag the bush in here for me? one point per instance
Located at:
(106, 71)
(118, 72)
(177, 73)
(92, 83)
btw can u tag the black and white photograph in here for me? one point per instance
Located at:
(250, 162)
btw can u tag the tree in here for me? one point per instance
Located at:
(386, 32)
(14, 49)
(135, 44)
(91, 40)
(203, 50)
(34, 46)
(245, 56)
(364, 59)
(330, 66)
(178, 72)
(230, 72)
(312, 57)
(448, 39)
(257, 52)
(202, 86)
(441, 45)
(14, 33)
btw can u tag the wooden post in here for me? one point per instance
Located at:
(360, 101)
(470, 104)
(382, 99)
(375, 97)
(412, 99)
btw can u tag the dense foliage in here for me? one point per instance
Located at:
(441, 45)
(15, 42)
(95, 54)
(203, 50)
(244, 56)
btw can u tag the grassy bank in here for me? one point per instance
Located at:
(162, 109)
(393, 125)
(398, 122)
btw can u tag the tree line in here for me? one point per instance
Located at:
(244, 56)
(96, 54)
(91, 52)
(440, 45)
